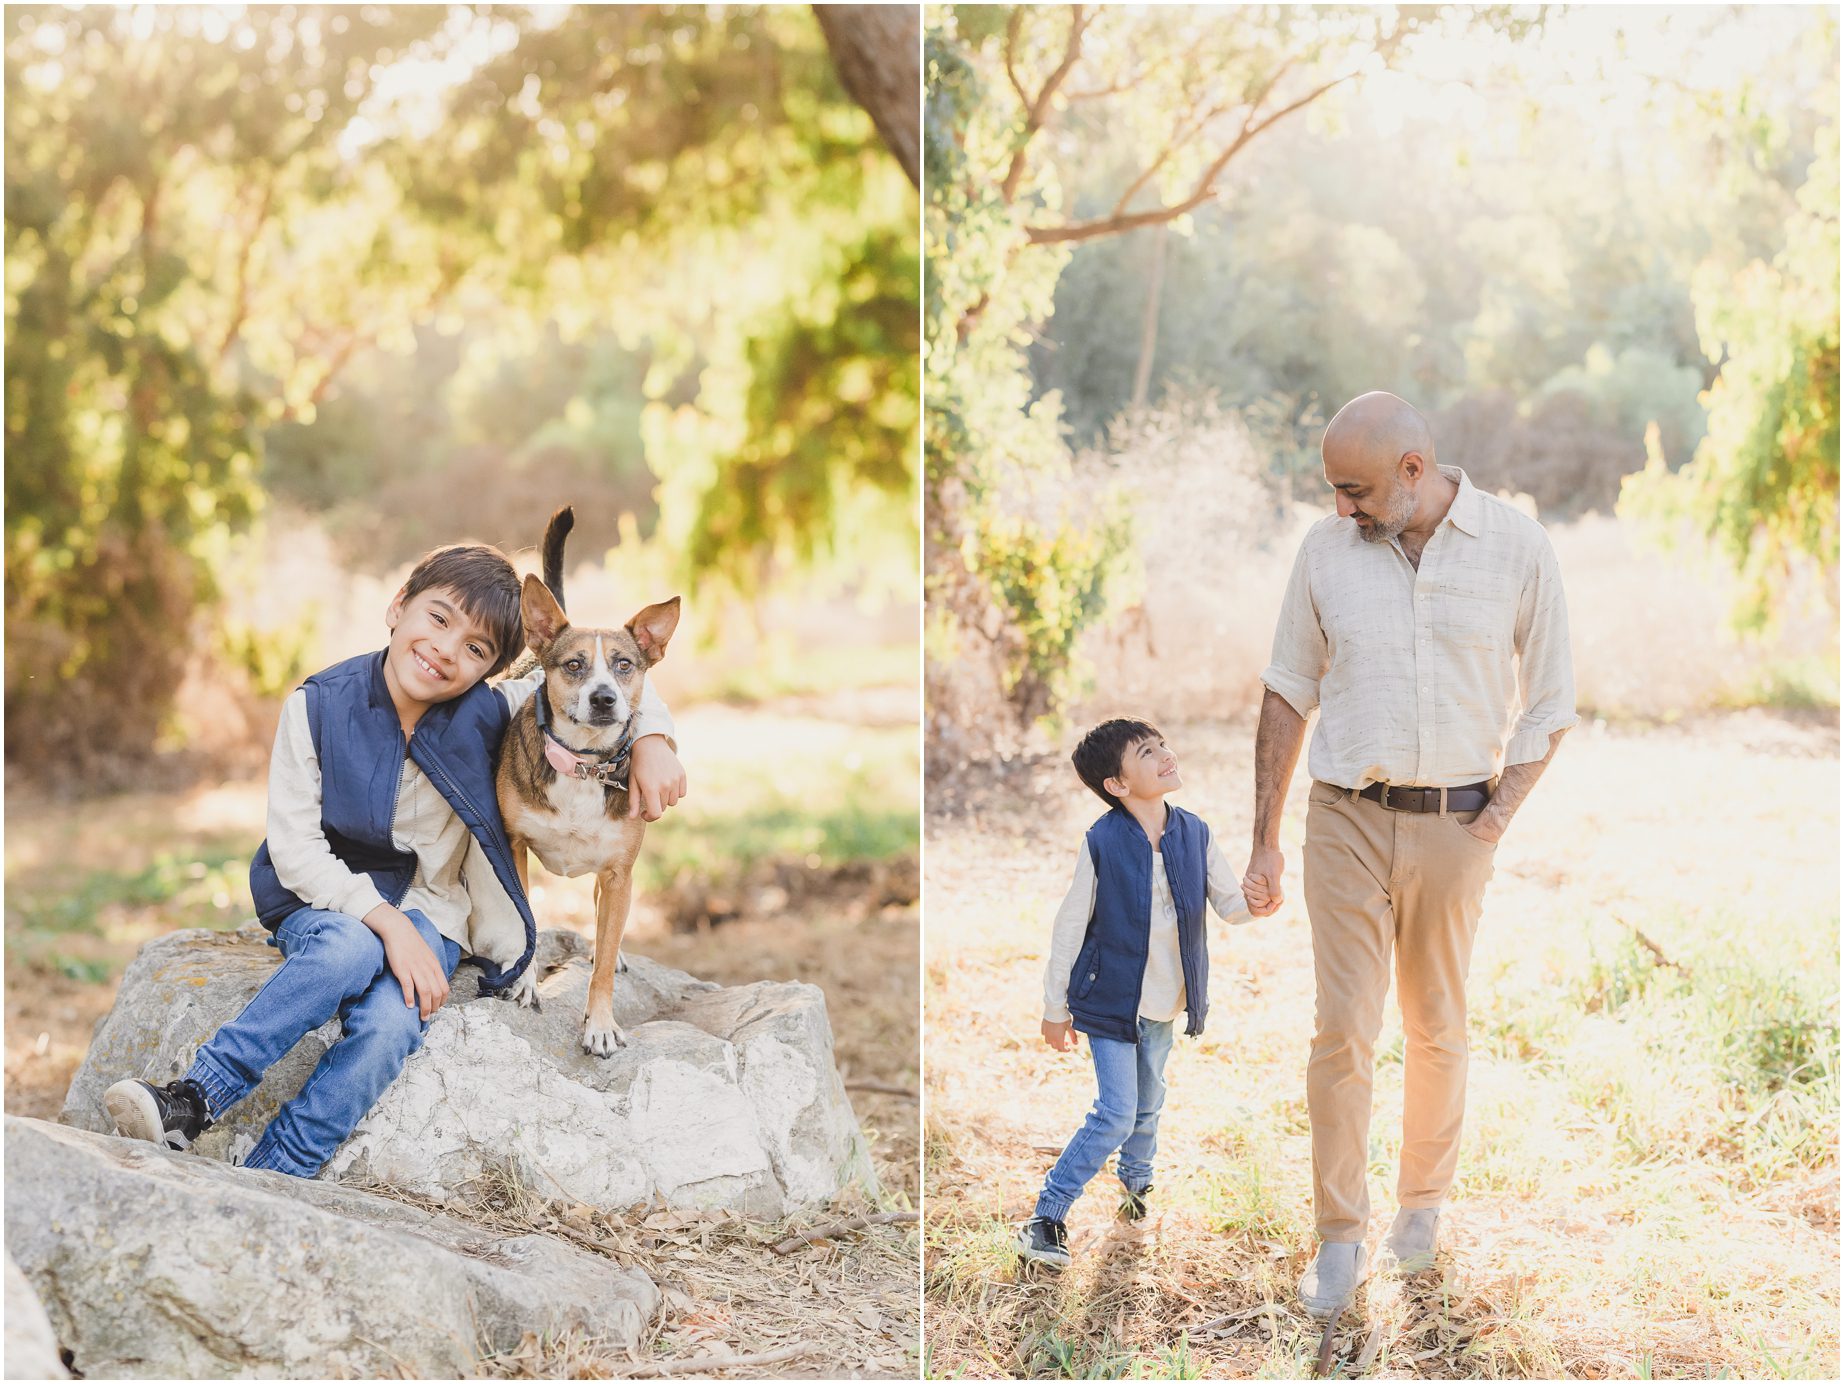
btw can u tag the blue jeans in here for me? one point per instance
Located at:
(1130, 1082)
(332, 965)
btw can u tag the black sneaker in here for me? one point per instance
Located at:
(173, 1115)
(1133, 1203)
(1044, 1241)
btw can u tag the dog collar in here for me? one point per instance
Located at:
(606, 767)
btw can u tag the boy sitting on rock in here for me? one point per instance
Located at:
(1127, 957)
(385, 862)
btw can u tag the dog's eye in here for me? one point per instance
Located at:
(624, 665)
(575, 665)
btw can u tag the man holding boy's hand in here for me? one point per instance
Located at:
(1426, 623)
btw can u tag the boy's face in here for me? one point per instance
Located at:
(1148, 770)
(437, 649)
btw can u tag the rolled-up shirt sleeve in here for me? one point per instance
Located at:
(652, 718)
(1545, 666)
(1067, 932)
(304, 861)
(1301, 654)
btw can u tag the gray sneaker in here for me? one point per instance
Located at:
(1409, 1246)
(1330, 1281)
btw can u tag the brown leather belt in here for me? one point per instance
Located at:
(1398, 798)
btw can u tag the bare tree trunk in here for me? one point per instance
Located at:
(877, 50)
(1149, 319)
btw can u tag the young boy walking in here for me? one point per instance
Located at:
(385, 863)
(1127, 957)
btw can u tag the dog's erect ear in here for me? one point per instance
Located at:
(653, 627)
(544, 618)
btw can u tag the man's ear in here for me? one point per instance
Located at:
(653, 628)
(543, 618)
(1413, 465)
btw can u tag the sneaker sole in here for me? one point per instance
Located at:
(1037, 1256)
(136, 1116)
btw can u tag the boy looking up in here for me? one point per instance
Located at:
(1127, 957)
(385, 862)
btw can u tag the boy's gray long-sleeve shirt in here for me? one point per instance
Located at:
(447, 856)
(1162, 992)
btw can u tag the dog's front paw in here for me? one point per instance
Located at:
(601, 1038)
(524, 990)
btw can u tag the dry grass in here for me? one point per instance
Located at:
(1648, 1186)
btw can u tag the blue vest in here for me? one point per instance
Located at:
(360, 744)
(1104, 984)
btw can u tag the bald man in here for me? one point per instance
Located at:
(1425, 622)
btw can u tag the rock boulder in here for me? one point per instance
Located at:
(153, 1264)
(723, 1098)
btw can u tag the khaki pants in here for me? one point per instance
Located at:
(1377, 879)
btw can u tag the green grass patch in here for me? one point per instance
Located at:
(1810, 682)
(207, 890)
(811, 672)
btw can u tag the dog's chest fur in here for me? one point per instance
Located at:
(569, 828)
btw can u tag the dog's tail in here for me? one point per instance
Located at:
(554, 534)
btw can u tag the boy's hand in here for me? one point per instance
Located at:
(1261, 886)
(656, 779)
(1061, 1036)
(425, 985)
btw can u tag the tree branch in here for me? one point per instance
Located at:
(1118, 222)
(1036, 111)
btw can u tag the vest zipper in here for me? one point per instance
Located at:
(396, 796)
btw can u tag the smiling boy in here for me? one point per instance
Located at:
(386, 861)
(1127, 957)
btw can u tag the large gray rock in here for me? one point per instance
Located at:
(723, 1097)
(156, 1264)
(31, 1347)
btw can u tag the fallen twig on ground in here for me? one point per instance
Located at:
(826, 1232)
(700, 1364)
(881, 1089)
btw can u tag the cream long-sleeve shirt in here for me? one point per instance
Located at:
(1439, 675)
(447, 855)
(1162, 991)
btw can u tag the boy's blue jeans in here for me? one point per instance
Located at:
(1130, 1082)
(332, 965)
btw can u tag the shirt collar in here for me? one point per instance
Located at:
(1466, 511)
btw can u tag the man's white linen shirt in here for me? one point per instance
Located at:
(1162, 990)
(1441, 676)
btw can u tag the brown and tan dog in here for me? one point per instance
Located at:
(562, 780)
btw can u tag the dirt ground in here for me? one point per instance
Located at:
(1580, 1241)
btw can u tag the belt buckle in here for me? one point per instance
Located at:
(1389, 788)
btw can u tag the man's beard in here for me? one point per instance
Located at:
(1398, 509)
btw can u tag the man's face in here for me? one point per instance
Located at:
(1380, 501)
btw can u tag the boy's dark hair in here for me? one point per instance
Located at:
(1102, 751)
(488, 587)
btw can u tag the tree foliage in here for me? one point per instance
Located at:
(213, 217)
(1763, 486)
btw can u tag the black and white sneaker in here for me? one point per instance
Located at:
(1133, 1203)
(1044, 1241)
(173, 1115)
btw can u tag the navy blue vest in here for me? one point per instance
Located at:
(360, 744)
(1104, 984)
